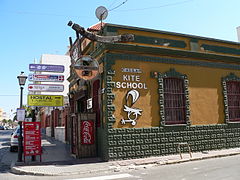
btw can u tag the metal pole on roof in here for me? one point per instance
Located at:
(103, 39)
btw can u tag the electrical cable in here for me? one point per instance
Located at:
(112, 4)
(156, 7)
(118, 5)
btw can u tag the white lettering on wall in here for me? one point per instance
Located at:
(131, 78)
(130, 85)
(132, 70)
(131, 81)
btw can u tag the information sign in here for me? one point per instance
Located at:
(89, 103)
(45, 100)
(20, 114)
(46, 67)
(28, 119)
(32, 139)
(46, 77)
(46, 87)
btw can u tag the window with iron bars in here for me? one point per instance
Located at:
(233, 99)
(174, 101)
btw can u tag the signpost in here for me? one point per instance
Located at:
(46, 77)
(45, 100)
(32, 139)
(20, 114)
(46, 87)
(46, 68)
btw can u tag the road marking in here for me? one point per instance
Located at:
(118, 176)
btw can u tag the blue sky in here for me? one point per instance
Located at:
(31, 28)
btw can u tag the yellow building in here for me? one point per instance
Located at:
(156, 92)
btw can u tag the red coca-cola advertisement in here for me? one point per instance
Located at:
(87, 132)
(32, 138)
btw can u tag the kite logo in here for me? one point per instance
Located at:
(132, 113)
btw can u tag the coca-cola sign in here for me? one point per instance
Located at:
(87, 132)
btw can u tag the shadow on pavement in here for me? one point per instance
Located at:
(5, 144)
(4, 166)
(5, 139)
(56, 153)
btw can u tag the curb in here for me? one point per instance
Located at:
(16, 170)
(19, 171)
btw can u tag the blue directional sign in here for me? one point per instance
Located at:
(46, 68)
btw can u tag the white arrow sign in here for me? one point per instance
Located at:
(46, 87)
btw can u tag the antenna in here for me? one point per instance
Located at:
(101, 13)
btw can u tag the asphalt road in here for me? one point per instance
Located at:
(4, 148)
(226, 168)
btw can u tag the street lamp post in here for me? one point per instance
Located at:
(22, 80)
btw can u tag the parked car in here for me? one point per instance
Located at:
(1, 128)
(14, 139)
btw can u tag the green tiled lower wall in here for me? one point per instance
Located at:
(126, 143)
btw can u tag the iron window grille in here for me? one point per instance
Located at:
(173, 98)
(233, 96)
(231, 93)
(174, 101)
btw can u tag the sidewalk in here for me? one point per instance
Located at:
(56, 161)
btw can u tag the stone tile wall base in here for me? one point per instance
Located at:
(126, 143)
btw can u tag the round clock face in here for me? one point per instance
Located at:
(101, 13)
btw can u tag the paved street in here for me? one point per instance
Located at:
(4, 149)
(225, 168)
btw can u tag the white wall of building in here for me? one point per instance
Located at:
(57, 60)
(59, 133)
(238, 33)
(48, 131)
(64, 60)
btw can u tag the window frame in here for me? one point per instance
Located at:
(229, 78)
(172, 73)
(174, 102)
